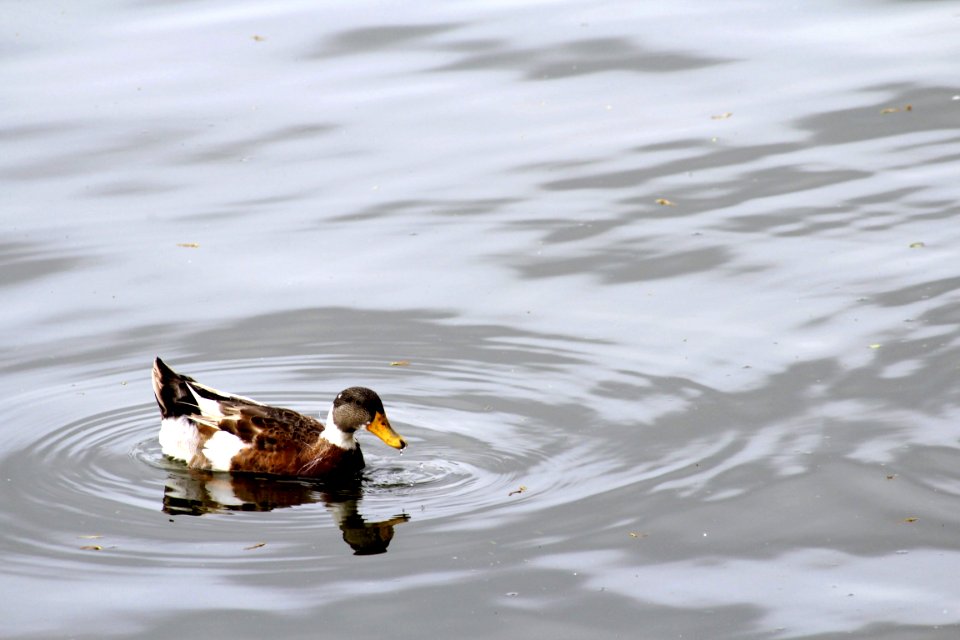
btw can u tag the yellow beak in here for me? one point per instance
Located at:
(381, 428)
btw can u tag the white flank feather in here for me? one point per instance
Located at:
(220, 449)
(179, 438)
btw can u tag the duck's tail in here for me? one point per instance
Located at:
(172, 391)
(182, 396)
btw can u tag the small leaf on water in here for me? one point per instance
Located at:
(875, 346)
(92, 547)
(259, 38)
(722, 116)
(663, 202)
(400, 363)
(889, 110)
(910, 520)
(189, 245)
(917, 245)
(95, 536)
(519, 489)
(255, 546)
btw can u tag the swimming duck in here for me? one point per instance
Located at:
(209, 429)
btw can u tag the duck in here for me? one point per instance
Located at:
(216, 431)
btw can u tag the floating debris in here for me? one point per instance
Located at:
(638, 534)
(255, 546)
(400, 363)
(189, 245)
(722, 116)
(875, 345)
(663, 202)
(519, 489)
(95, 536)
(259, 38)
(888, 110)
(92, 547)
(917, 245)
(910, 520)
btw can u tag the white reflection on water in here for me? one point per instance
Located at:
(800, 592)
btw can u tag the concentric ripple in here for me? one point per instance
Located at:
(487, 447)
(482, 451)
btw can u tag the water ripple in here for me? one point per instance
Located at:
(480, 455)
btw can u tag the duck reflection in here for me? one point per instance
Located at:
(196, 492)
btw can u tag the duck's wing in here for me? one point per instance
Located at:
(268, 428)
(280, 441)
(255, 423)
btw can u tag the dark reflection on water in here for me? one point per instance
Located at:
(578, 58)
(913, 368)
(932, 108)
(629, 262)
(415, 209)
(195, 492)
(22, 262)
(380, 38)
(95, 156)
(260, 143)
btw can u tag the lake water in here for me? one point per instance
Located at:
(665, 299)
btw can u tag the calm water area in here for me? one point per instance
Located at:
(665, 298)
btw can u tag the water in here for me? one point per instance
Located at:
(675, 291)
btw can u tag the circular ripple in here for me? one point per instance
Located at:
(465, 457)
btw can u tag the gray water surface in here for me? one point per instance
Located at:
(663, 298)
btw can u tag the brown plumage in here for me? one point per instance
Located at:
(209, 429)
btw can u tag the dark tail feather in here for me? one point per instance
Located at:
(171, 391)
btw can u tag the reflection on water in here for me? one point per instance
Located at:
(196, 492)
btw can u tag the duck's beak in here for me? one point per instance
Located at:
(381, 428)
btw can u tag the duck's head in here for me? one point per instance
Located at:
(359, 407)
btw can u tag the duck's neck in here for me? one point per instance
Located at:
(332, 434)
